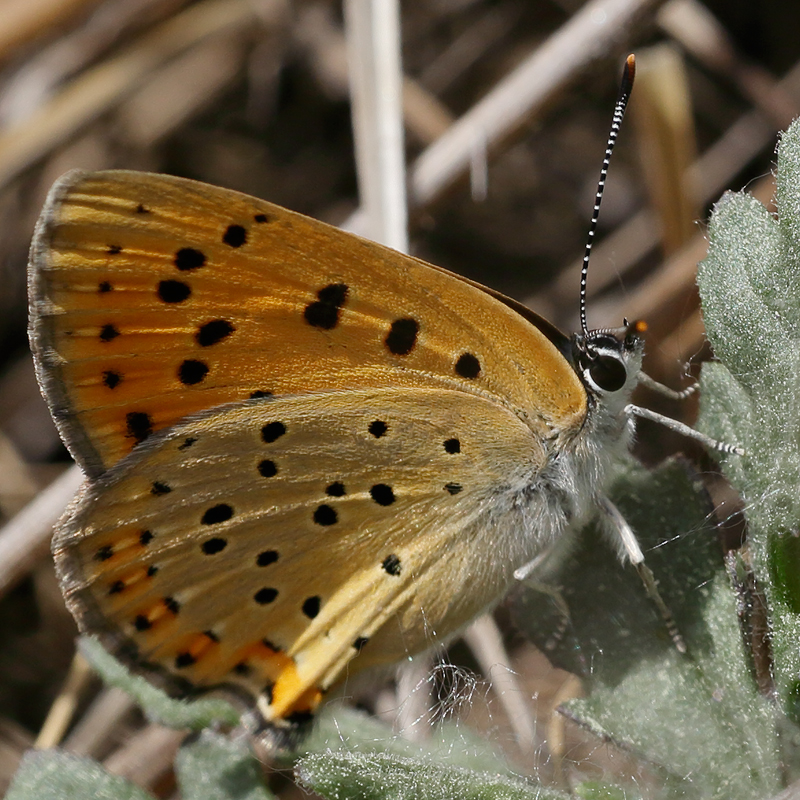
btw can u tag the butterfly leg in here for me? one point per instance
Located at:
(564, 623)
(525, 571)
(630, 546)
(684, 430)
(526, 574)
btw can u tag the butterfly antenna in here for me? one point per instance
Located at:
(626, 85)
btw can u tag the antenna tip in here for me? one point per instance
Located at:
(628, 74)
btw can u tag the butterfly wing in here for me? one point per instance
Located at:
(155, 297)
(264, 545)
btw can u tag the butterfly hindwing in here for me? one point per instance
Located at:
(156, 297)
(265, 544)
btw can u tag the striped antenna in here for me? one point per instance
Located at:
(626, 85)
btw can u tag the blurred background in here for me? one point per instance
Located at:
(253, 95)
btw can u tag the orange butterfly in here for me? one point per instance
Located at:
(307, 453)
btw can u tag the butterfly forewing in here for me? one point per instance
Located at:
(265, 544)
(156, 297)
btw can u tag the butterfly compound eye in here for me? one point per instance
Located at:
(608, 373)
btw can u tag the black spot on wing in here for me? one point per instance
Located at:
(213, 332)
(188, 258)
(272, 431)
(325, 311)
(468, 366)
(234, 236)
(138, 425)
(214, 545)
(265, 595)
(378, 428)
(391, 565)
(192, 371)
(266, 557)
(221, 512)
(108, 333)
(402, 336)
(173, 291)
(111, 379)
(311, 606)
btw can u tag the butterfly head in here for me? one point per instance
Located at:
(608, 362)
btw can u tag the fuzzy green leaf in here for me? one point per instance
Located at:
(193, 714)
(351, 755)
(53, 775)
(215, 767)
(750, 286)
(451, 743)
(381, 776)
(591, 790)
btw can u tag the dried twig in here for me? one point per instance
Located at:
(587, 36)
(107, 84)
(26, 539)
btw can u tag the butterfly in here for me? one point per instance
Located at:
(306, 454)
